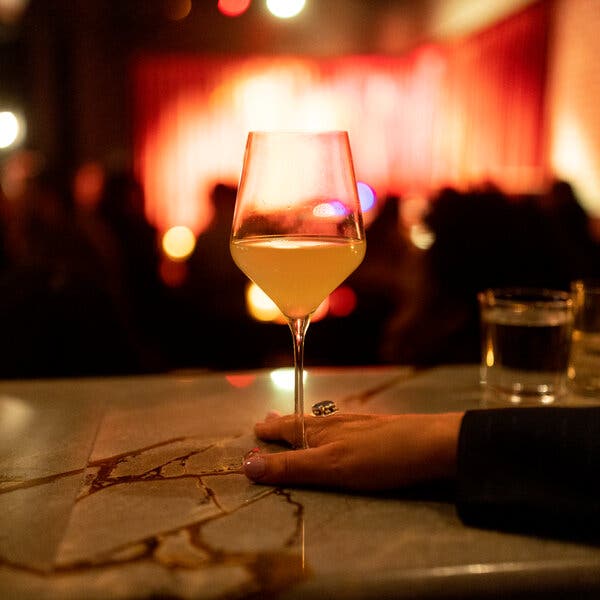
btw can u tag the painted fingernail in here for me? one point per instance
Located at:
(272, 414)
(254, 467)
(251, 453)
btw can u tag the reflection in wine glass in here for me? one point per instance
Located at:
(297, 229)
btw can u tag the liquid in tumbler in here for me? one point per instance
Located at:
(525, 346)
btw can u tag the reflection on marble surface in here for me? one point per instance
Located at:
(131, 488)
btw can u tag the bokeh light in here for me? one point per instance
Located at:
(179, 242)
(330, 209)
(421, 236)
(366, 195)
(233, 8)
(283, 379)
(262, 308)
(177, 10)
(285, 9)
(88, 184)
(10, 129)
(259, 305)
(321, 312)
(18, 169)
(240, 380)
(342, 301)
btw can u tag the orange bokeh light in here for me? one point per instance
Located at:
(342, 301)
(88, 184)
(321, 311)
(240, 380)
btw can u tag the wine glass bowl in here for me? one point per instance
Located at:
(297, 228)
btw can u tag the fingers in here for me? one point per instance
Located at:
(285, 428)
(318, 429)
(277, 428)
(295, 467)
(359, 452)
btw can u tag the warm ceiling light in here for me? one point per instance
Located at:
(285, 9)
(10, 129)
(233, 8)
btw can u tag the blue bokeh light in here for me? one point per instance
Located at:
(366, 196)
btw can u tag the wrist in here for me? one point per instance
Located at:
(445, 445)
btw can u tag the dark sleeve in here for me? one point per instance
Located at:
(533, 470)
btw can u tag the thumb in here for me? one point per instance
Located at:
(312, 466)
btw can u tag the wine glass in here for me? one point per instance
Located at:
(297, 228)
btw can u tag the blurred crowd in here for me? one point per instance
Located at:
(78, 278)
(483, 239)
(85, 287)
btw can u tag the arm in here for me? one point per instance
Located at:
(516, 468)
(531, 469)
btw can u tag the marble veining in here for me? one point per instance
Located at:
(179, 504)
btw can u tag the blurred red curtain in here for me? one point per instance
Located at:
(495, 104)
(459, 114)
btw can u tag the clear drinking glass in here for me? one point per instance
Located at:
(584, 363)
(526, 338)
(297, 228)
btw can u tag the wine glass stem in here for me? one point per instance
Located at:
(299, 327)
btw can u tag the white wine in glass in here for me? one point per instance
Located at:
(297, 228)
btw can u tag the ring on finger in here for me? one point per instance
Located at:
(324, 408)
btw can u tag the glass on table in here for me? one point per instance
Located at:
(584, 363)
(297, 228)
(525, 345)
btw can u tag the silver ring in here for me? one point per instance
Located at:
(324, 408)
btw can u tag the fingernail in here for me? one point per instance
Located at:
(251, 453)
(272, 414)
(254, 467)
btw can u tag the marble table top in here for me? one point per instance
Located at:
(131, 488)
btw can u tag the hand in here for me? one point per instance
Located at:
(359, 452)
